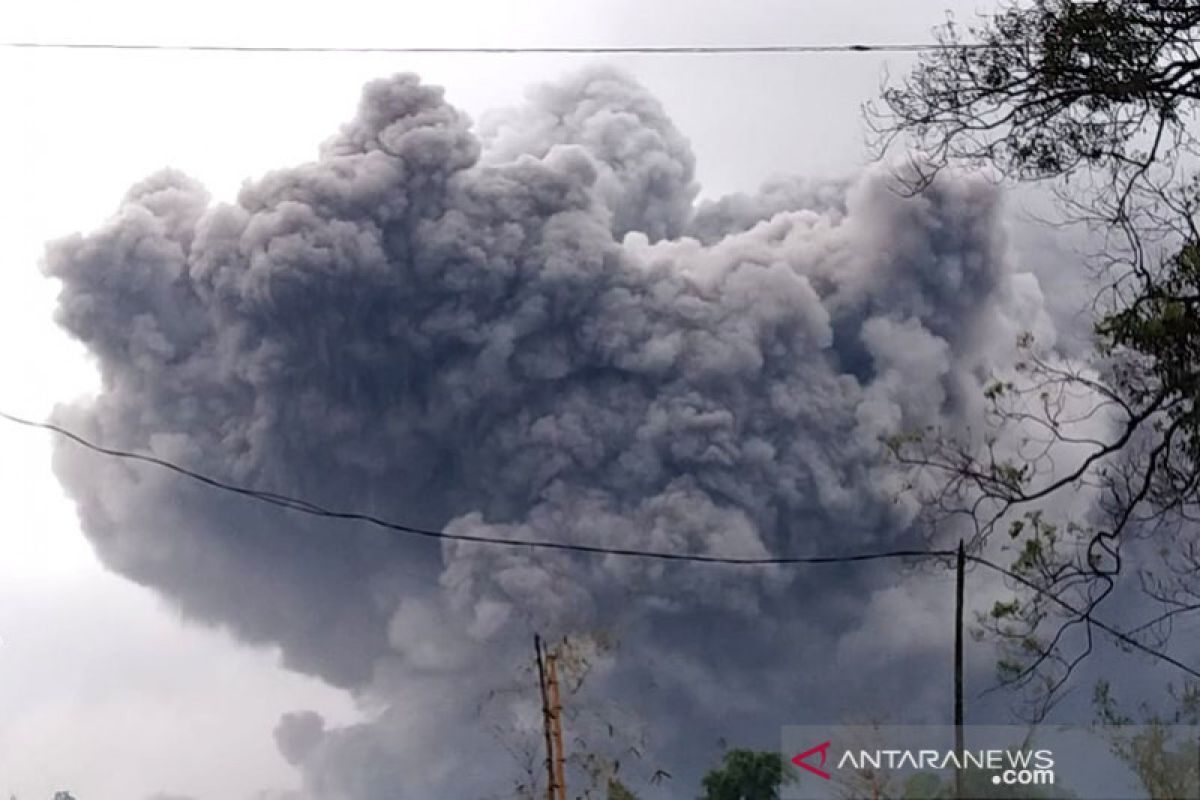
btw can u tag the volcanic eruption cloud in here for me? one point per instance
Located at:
(531, 328)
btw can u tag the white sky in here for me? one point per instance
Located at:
(103, 690)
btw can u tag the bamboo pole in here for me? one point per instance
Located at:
(547, 724)
(556, 720)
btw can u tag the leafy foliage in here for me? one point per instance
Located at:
(748, 775)
(1166, 767)
(1044, 89)
(1097, 98)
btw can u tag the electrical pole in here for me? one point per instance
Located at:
(547, 724)
(960, 564)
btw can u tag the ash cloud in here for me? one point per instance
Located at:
(529, 329)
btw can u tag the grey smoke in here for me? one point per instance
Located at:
(530, 330)
(298, 734)
(713, 220)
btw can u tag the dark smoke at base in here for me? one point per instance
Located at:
(533, 330)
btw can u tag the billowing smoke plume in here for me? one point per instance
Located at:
(534, 331)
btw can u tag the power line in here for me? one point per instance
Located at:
(771, 49)
(317, 510)
(314, 509)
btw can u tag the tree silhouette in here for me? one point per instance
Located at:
(1097, 99)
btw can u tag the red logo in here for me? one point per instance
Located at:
(823, 749)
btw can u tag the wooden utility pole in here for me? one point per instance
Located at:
(556, 724)
(547, 721)
(959, 744)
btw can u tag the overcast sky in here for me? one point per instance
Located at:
(103, 690)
